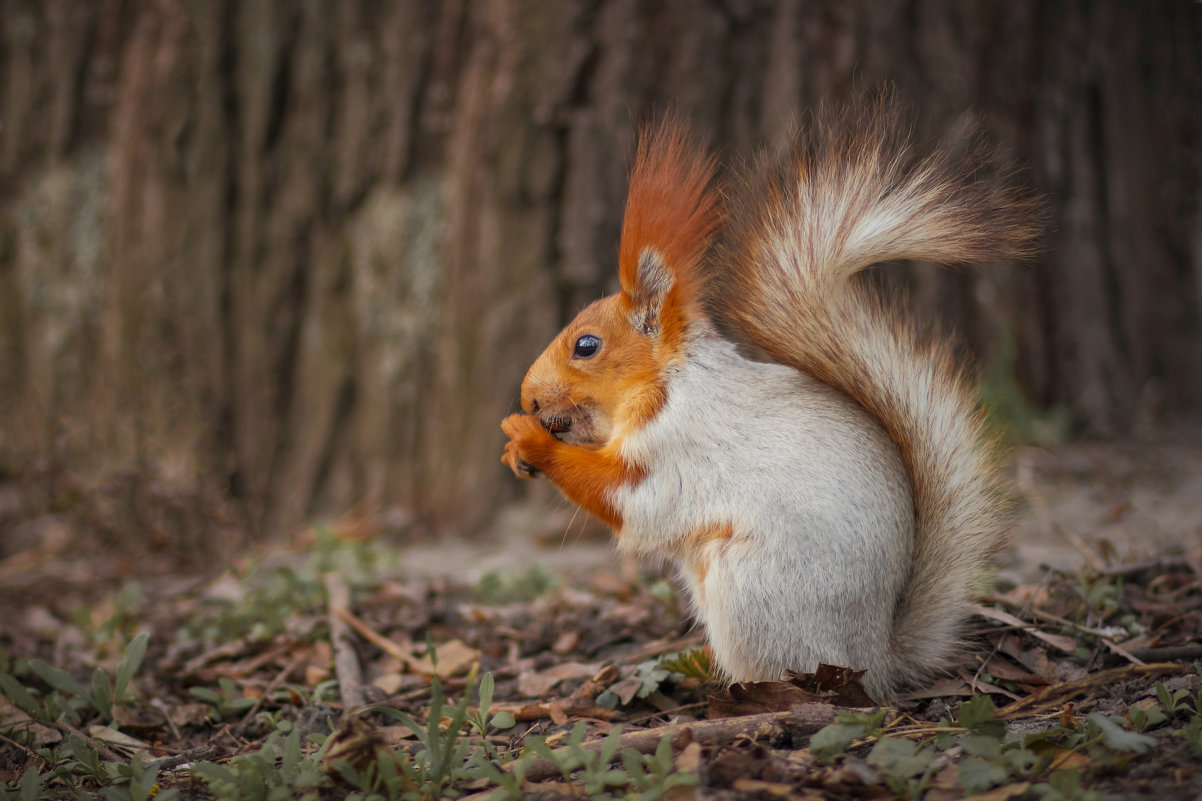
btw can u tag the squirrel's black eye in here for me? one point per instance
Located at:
(586, 347)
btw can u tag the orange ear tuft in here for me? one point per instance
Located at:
(673, 209)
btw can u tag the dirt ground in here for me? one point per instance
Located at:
(1089, 642)
(1086, 502)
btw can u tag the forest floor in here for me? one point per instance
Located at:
(538, 664)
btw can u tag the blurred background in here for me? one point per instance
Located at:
(264, 263)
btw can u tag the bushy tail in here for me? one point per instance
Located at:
(850, 194)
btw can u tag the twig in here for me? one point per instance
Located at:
(801, 719)
(227, 731)
(1063, 621)
(227, 649)
(256, 662)
(1106, 639)
(1060, 643)
(1121, 651)
(267, 691)
(580, 704)
(184, 757)
(667, 713)
(374, 637)
(1169, 652)
(93, 743)
(346, 661)
(1162, 564)
(1056, 693)
(16, 744)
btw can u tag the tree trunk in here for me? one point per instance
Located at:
(298, 255)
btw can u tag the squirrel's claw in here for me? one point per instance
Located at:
(516, 463)
(521, 429)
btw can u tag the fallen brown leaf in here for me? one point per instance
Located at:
(454, 658)
(539, 684)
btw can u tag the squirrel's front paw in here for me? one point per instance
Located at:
(525, 434)
(520, 467)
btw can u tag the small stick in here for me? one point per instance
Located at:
(374, 637)
(1169, 652)
(1162, 564)
(803, 719)
(91, 742)
(183, 758)
(267, 691)
(1114, 647)
(1059, 642)
(346, 661)
(16, 744)
(1058, 692)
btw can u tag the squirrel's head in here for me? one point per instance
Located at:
(606, 371)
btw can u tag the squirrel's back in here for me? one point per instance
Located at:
(851, 193)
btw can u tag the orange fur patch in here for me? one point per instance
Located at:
(587, 476)
(590, 477)
(694, 546)
(702, 536)
(674, 209)
(621, 386)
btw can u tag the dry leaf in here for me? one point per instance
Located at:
(567, 642)
(841, 686)
(1004, 669)
(981, 686)
(315, 675)
(537, 685)
(121, 741)
(454, 658)
(626, 689)
(11, 717)
(689, 758)
(948, 685)
(1060, 642)
(389, 683)
(395, 734)
(760, 787)
(1003, 793)
(182, 715)
(139, 720)
(755, 697)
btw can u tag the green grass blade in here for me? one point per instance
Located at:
(102, 693)
(130, 662)
(60, 680)
(31, 785)
(485, 692)
(609, 748)
(20, 696)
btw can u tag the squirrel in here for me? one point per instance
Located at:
(745, 406)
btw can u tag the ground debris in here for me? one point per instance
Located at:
(331, 670)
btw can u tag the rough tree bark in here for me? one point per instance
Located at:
(299, 254)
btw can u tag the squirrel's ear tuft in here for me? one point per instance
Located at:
(650, 291)
(673, 211)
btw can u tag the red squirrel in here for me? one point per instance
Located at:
(839, 500)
